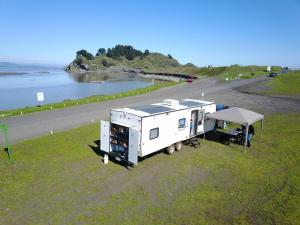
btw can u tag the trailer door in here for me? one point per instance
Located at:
(104, 139)
(200, 126)
(134, 145)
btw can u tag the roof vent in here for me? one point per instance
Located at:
(171, 102)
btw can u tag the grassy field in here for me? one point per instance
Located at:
(286, 84)
(99, 98)
(59, 179)
(230, 72)
(244, 72)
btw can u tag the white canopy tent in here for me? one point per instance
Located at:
(240, 116)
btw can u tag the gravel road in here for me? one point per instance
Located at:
(38, 124)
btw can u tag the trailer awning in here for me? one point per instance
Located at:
(237, 115)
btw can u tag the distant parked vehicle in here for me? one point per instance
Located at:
(272, 74)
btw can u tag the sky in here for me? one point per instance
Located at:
(203, 32)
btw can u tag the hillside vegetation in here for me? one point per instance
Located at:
(154, 61)
(129, 57)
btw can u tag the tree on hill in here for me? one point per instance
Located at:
(109, 53)
(130, 56)
(169, 56)
(146, 52)
(101, 51)
(84, 53)
(126, 51)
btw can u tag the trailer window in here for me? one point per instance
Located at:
(154, 133)
(181, 123)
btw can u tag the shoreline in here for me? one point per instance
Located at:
(149, 76)
(87, 100)
(137, 72)
(12, 73)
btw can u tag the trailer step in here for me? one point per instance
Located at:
(193, 142)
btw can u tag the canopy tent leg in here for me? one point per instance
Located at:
(246, 136)
(261, 129)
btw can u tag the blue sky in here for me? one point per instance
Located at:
(202, 32)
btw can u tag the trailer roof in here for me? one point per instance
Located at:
(191, 103)
(158, 108)
(153, 109)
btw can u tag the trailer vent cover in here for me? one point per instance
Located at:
(171, 102)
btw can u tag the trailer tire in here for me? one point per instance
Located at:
(171, 149)
(178, 146)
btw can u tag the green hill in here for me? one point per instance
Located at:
(126, 58)
(151, 62)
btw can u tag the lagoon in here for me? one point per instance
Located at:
(20, 90)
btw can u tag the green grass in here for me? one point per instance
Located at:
(230, 72)
(59, 179)
(99, 98)
(244, 72)
(286, 84)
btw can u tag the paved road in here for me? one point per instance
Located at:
(38, 124)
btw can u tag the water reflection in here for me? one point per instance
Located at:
(91, 77)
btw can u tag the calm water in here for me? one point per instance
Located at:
(18, 91)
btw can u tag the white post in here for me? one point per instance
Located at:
(246, 136)
(105, 159)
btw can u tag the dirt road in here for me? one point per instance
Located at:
(38, 124)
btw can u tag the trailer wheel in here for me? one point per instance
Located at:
(171, 149)
(178, 146)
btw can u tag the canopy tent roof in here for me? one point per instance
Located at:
(237, 115)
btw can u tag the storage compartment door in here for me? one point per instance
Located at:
(104, 137)
(134, 145)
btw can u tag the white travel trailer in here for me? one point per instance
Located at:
(139, 131)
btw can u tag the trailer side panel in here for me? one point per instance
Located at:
(160, 131)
